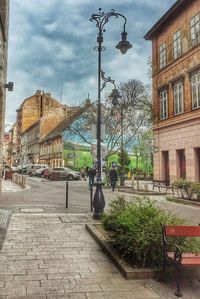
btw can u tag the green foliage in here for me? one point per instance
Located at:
(187, 188)
(113, 158)
(136, 229)
(133, 164)
(77, 159)
(126, 159)
(143, 149)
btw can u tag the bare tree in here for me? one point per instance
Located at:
(133, 113)
(130, 117)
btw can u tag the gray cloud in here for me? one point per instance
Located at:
(51, 47)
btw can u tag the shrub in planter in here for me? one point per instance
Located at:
(136, 231)
(189, 188)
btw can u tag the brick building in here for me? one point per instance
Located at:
(30, 144)
(7, 148)
(4, 17)
(31, 137)
(33, 109)
(52, 144)
(13, 146)
(176, 92)
(36, 137)
(40, 133)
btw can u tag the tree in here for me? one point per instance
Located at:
(131, 115)
(124, 161)
(143, 148)
(124, 122)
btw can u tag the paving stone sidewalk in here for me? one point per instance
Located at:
(52, 256)
(9, 186)
(5, 216)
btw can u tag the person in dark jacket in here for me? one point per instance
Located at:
(91, 174)
(113, 176)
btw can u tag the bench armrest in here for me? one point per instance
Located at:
(177, 257)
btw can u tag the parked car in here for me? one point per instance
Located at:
(36, 169)
(20, 169)
(46, 173)
(65, 173)
(14, 168)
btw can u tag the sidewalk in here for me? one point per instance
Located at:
(52, 256)
(9, 186)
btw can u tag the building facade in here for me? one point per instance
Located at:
(30, 144)
(4, 17)
(33, 109)
(37, 137)
(7, 148)
(176, 92)
(52, 144)
(13, 146)
(51, 151)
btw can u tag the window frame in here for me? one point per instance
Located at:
(163, 55)
(177, 44)
(178, 97)
(163, 104)
(195, 29)
(195, 90)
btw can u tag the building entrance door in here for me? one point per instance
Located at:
(198, 162)
(182, 164)
(166, 164)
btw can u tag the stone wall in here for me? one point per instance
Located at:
(184, 136)
(4, 9)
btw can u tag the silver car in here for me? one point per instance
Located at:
(35, 169)
(66, 173)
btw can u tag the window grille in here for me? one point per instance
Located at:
(195, 82)
(177, 44)
(163, 56)
(195, 29)
(163, 104)
(178, 98)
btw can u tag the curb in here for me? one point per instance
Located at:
(135, 192)
(5, 216)
(10, 190)
(183, 201)
(126, 270)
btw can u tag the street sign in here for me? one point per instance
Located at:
(103, 150)
(7, 137)
(94, 131)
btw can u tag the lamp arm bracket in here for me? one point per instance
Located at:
(106, 80)
(102, 18)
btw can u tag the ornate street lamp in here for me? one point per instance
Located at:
(101, 20)
(114, 97)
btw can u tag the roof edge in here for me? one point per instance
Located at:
(151, 32)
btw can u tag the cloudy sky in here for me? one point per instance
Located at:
(51, 47)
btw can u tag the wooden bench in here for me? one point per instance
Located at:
(172, 253)
(161, 184)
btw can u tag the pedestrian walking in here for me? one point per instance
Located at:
(113, 176)
(83, 173)
(91, 174)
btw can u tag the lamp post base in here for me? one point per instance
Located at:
(98, 201)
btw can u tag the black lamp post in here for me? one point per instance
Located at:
(101, 20)
(114, 97)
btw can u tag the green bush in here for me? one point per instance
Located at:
(136, 231)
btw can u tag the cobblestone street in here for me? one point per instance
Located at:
(51, 196)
